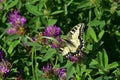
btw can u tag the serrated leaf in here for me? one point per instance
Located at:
(13, 45)
(50, 53)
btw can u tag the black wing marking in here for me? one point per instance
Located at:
(74, 43)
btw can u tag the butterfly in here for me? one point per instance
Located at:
(73, 44)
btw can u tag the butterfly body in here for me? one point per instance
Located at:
(73, 44)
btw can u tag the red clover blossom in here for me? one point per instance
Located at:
(52, 31)
(17, 22)
(55, 32)
(5, 66)
(1, 1)
(62, 73)
(49, 72)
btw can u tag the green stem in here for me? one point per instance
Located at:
(36, 65)
(56, 60)
(32, 59)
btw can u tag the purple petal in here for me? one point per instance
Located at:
(52, 31)
(11, 31)
(2, 55)
(62, 73)
(15, 19)
(47, 68)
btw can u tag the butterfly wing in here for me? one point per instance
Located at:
(73, 41)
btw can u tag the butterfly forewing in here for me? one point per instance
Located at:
(73, 40)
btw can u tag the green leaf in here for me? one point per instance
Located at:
(19, 4)
(13, 45)
(70, 72)
(4, 17)
(83, 69)
(118, 12)
(98, 13)
(113, 65)
(60, 58)
(12, 37)
(41, 4)
(117, 33)
(50, 53)
(83, 4)
(99, 78)
(90, 46)
(100, 58)
(12, 4)
(101, 34)
(77, 77)
(77, 68)
(92, 34)
(93, 64)
(103, 58)
(97, 23)
(69, 63)
(51, 22)
(57, 12)
(33, 9)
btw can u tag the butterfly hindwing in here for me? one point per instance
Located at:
(73, 44)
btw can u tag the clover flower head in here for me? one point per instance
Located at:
(47, 68)
(11, 30)
(55, 32)
(52, 31)
(5, 67)
(57, 44)
(17, 23)
(62, 73)
(15, 19)
(48, 71)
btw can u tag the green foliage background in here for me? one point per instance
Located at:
(102, 37)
